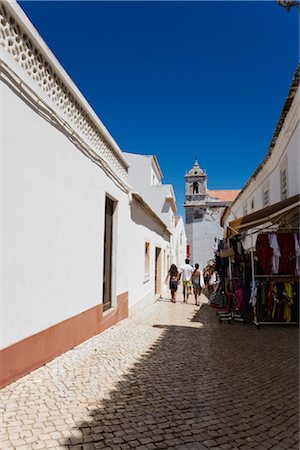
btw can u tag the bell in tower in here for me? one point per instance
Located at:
(195, 183)
(195, 207)
(203, 210)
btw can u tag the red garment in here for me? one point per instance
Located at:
(264, 253)
(287, 263)
(240, 300)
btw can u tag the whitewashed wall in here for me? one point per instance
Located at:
(141, 292)
(53, 224)
(145, 178)
(201, 234)
(287, 148)
(143, 172)
(179, 243)
(58, 164)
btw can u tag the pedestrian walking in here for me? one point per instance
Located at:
(186, 275)
(173, 277)
(197, 282)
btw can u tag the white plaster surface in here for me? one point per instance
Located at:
(144, 229)
(179, 243)
(201, 235)
(53, 224)
(285, 152)
(59, 164)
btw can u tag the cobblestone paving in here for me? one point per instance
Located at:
(172, 378)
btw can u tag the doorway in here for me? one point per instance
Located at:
(157, 270)
(107, 256)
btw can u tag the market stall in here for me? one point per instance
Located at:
(269, 263)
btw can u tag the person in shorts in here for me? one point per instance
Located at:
(186, 275)
(173, 277)
(197, 282)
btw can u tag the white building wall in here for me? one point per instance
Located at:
(155, 179)
(293, 158)
(143, 174)
(201, 234)
(179, 243)
(141, 287)
(159, 197)
(156, 197)
(53, 224)
(154, 193)
(286, 152)
(59, 163)
(270, 173)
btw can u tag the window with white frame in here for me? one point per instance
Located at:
(283, 183)
(252, 203)
(245, 209)
(265, 196)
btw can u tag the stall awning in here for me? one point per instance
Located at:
(273, 214)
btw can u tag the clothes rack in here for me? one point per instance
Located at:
(271, 277)
(231, 313)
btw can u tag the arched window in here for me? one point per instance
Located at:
(195, 187)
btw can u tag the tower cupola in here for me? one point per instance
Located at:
(195, 183)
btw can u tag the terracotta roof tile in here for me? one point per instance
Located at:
(227, 195)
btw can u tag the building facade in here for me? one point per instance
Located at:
(271, 195)
(145, 177)
(180, 242)
(64, 206)
(81, 250)
(203, 210)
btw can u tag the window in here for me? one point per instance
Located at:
(245, 209)
(283, 183)
(147, 259)
(265, 197)
(252, 203)
(198, 215)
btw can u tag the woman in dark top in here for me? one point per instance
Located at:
(174, 277)
(197, 281)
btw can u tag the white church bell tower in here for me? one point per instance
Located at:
(202, 216)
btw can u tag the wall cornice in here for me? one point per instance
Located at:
(19, 39)
(285, 127)
(38, 104)
(146, 208)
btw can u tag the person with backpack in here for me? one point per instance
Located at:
(173, 277)
(197, 282)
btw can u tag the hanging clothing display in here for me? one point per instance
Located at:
(277, 301)
(297, 253)
(287, 263)
(276, 278)
(264, 253)
(276, 252)
(262, 286)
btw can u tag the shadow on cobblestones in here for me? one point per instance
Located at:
(222, 387)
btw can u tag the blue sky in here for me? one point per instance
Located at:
(179, 79)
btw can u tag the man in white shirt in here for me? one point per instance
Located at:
(186, 275)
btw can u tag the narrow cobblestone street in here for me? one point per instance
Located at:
(173, 377)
